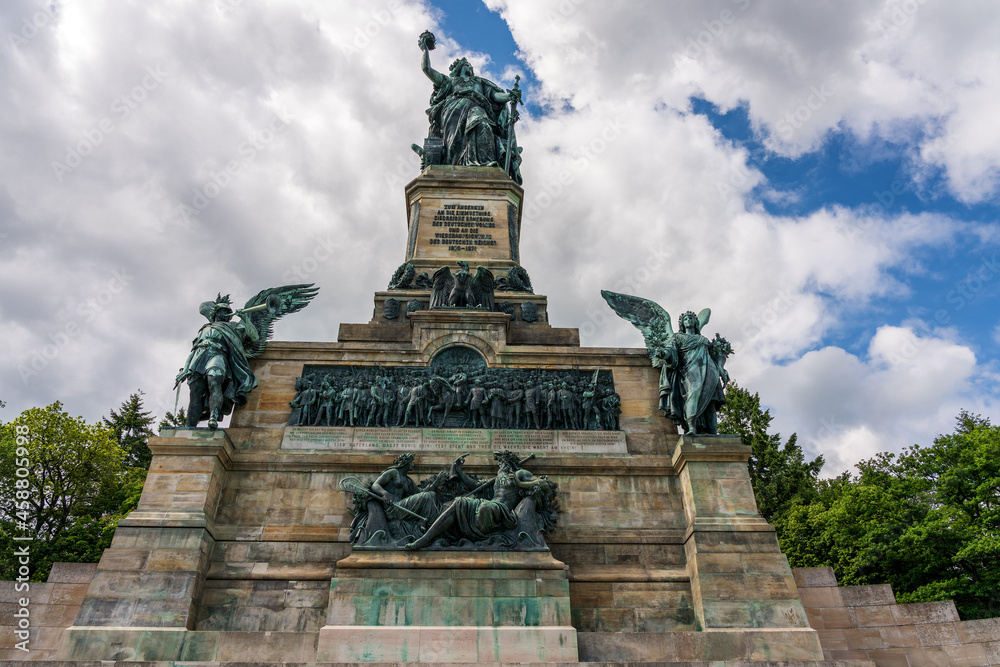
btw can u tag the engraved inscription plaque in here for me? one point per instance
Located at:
(451, 440)
(317, 437)
(592, 442)
(390, 439)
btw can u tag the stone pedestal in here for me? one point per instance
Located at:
(150, 580)
(463, 213)
(428, 606)
(739, 577)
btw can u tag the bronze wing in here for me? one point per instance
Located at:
(482, 288)
(441, 286)
(647, 316)
(280, 301)
(703, 317)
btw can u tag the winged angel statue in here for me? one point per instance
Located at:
(218, 369)
(462, 289)
(692, 367)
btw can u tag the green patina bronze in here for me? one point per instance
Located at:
(218, 370)
(692, 367)
(453, 510)
(456, 391)
(471, 118)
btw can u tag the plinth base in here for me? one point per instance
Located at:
(464, 644)
(454, 607)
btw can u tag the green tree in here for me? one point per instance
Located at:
(780, 475)
(131, 428)
(173, 420)
(73, 489)
(926, 521)
(70, 464)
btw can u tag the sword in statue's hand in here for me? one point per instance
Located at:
(511, 119)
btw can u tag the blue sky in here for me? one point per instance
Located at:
(841, 169)
(825, 177)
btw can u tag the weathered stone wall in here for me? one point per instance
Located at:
(865, 623)
(52, 607)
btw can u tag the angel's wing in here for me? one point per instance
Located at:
(285, 300)
(703, 318)
(482, 288)
(441, 286)
(647, 316)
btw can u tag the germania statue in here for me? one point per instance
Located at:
(218, 369)
(471, 119)
(692, 367)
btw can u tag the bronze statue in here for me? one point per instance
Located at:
(462, 289)
(217, 370)
(392, 507)
(516, 502)
(471, 119)
(692, 367)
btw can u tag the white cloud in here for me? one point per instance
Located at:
(907, 389)
(805, 69)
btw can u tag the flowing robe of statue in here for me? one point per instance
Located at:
(471, 116)
(222, 344)
(690, 382)
(372, 526)
(467, 112)
(477, 518)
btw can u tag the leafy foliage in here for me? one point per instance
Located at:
(130, 427)
(926, 521)
(172, 420)
(76, 485)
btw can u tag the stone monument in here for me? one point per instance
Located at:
(454, 480)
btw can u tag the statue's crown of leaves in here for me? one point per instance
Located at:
(455, 66)
(689, 314)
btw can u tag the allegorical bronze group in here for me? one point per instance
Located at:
(453, 509)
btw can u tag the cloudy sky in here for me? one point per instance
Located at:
(824, 175)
